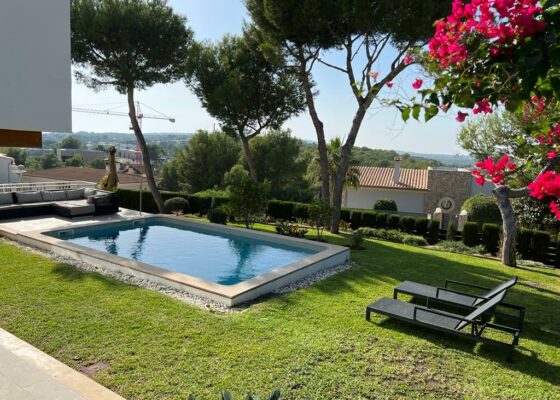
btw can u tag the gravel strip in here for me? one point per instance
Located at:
(178, 294)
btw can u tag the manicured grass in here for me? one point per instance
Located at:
(313, 343)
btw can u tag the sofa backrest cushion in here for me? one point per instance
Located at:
(75, 194)
(89, 192)
(28, 197)
(6, 199)
(55, 195)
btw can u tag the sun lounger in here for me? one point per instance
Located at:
(447, 295)
(447, 322)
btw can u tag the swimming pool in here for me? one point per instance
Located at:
(226, 264)
(220, 257)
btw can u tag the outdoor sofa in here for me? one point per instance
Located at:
(471, 326)
(65, 203)
(447, 295)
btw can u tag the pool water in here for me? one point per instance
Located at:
(223, 257)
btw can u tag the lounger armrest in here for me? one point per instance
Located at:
(439, 289)
(448, 281)
(439, 312)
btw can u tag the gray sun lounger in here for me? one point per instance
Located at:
(461, 299)
(447, 322)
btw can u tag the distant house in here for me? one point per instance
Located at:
(88, 155)
(9, 171)
(93, 175)
(416, 191)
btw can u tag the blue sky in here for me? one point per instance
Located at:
(210, 19)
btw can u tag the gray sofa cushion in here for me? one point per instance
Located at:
(6, 199)
(75, 194)
(76, 208)
(57, 195)
(89, 192)
(28, 197)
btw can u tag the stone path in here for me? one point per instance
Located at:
(27, 373)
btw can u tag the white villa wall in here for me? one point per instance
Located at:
(35, 74)
(364, 198)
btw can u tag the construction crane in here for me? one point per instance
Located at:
(140, 116)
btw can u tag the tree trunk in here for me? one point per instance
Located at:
(249, 156)
(303, 76)
(503, 194)
(342, 169)
(144, 149)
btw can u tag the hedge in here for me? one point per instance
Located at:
(356, 219)
(524, 238)
(282, 210)
(491, 238)
(470, 234)
(385, 205)
(301, 211)
(422, 226)
(451, 234)
(433, 232)
(482, 209)
(381, 220)
(369, 219)
(130, 198)
(176, 204)
(345, 215)
(394, 221)
(407, 224)
(539, 245)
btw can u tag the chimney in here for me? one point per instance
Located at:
(397, 170)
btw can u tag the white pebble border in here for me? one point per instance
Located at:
(178, 294)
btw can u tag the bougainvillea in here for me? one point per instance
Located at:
(504, 23)
(495, 172)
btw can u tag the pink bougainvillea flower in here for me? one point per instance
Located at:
(417, 84)
(373, 74)
(461, 117)
(444, 107)
(389, 84)
(482, 106)
(408, 59)
(551, 155)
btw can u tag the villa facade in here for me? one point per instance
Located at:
(416, 191)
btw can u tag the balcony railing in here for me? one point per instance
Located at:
(44, 186)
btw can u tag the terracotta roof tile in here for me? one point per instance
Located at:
(410, 179)
(80, 174)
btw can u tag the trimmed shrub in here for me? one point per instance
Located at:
(413, 240)
(369, 219)
(385, 205)
(422, 226)
(539, 245)
(357, 239)
(301, 211)
(433, 232)
(482, 209)
(394, 221)
(524, 248)
(356, 219)
(407, 224)
(345, 214)
(176, 205)
(283, 210)
(218, 215)
(454, 246)
(470, 234)
(491, 238)
(381, 220)
(451, 233)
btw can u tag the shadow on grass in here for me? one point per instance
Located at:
(382, 266)
(525, 360)
(73, 274)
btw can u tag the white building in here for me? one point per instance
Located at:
(416, 191)
(9, 171)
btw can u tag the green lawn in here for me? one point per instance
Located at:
(313, 343)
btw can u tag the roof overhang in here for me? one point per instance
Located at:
(14, 138)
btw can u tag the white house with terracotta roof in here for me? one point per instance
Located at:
(416, 191)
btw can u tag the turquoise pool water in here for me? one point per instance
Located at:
(223, 258)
